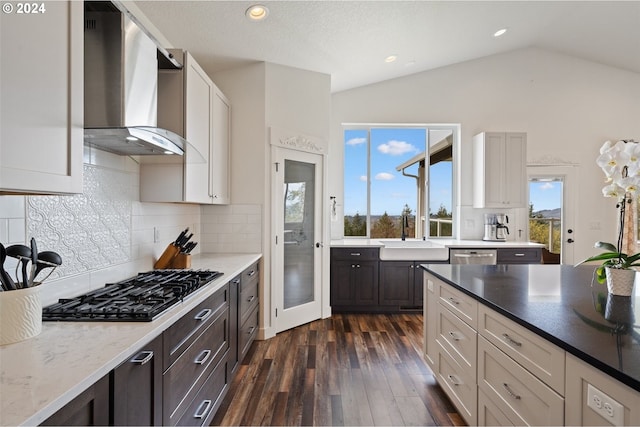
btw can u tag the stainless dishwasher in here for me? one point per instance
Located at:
(473, 256)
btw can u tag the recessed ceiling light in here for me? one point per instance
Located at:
(500, 32)
(390, 58)
(257, 12)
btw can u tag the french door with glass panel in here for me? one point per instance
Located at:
(297, 247)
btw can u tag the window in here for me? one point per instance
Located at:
(385, 178)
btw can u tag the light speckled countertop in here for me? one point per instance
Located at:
(448, 243)
(42, 374)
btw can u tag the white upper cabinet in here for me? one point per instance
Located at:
(191, 105)
(499, 162)
(219, 163)
(41, 106)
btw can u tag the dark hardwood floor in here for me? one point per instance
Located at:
(350, 369)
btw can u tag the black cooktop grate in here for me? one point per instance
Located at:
(139, 299)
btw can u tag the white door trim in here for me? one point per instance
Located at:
(568, 173)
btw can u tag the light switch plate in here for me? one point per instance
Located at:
(605, 406)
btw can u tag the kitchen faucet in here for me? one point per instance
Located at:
(405, 225)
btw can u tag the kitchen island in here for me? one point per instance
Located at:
(585, 337)
(42, 374)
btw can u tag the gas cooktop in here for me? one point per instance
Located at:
(139, 299)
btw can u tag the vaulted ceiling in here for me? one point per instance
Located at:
(351, 39)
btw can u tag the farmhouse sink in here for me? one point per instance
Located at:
(412, 250)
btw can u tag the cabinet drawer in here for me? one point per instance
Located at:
(248, 299)
(519, 256)
(459, 386)
(522, 397)
(537, 355)
(186, 376)
(459, 339)
(182, 333)
(489, 414)
(462, 305)
(249, 277)
(247, 332)
(354, 254)
(208, 400)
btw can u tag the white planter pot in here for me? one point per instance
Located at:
(20, 315)
(620, 281)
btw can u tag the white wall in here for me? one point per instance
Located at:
(262, 96)
(567, 106)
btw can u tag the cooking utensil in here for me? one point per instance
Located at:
(23, 254)
(5, 279)
(47, 259)
(34, 260)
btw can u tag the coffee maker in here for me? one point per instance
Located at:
(495, 228)
(501, 229)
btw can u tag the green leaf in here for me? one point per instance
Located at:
(606, 246)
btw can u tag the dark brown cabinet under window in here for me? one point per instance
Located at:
(398, 284)
(354, 279)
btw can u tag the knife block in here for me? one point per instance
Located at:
(181, 260)
(166, 259)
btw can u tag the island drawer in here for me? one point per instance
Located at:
(519, 255)
(355, 254)
(537, 355)
(458, 385)
(460, 304)
(519, 395)
(182, 333)
(459, 339)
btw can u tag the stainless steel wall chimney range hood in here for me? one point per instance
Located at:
(121, 85)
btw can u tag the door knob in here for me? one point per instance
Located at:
(569, 240)
(319, 245)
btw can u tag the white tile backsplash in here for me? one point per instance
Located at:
(106, 234)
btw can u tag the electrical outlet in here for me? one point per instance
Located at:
(156, 234)
(605, 406)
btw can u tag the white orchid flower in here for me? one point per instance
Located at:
(613, 161)
(606, 146)
(613, 190)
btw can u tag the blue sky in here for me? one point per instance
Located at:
(390, 190)
(545, 195)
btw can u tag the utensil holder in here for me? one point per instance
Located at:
(181, 260)
(20, 315)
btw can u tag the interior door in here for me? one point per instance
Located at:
(297, 245)
(564, 176)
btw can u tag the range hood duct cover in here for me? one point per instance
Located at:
(121, 87)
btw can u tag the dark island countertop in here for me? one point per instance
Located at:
(563, 304)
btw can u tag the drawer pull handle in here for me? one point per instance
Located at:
(251, 273)
(251, 298)
(142, 357)
(202, 357)
(519, 254)
(355, 254)
(511, 340)
(251, 329)
(452, 300)
(455, 381)
(236, 281)
(203, 409)
(203, 314)
(454, 336)
(510, 392)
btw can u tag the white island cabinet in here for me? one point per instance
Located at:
(41, 107)
(499, 169)
(191, 105)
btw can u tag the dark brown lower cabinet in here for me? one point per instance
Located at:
(137, 388)
(91, 408)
